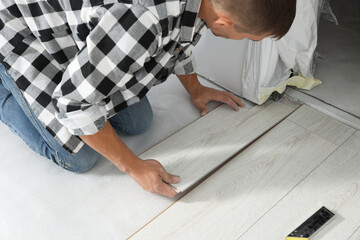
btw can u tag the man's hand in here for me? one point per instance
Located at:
(149, 174)
(152, 177)
(201, 95)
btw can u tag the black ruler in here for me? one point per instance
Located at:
(311, 225)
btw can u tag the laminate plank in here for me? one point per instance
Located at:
(231, 200)
(334, 184)
(203, 145)
(322, 124)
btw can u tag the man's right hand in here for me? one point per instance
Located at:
(152, 177)
(149, 174)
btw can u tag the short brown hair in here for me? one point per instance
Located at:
(260, 16)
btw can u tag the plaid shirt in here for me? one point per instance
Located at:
(77, 62)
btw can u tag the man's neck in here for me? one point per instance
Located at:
(207, 12)
(204, 9)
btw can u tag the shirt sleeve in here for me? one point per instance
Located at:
(122, 39)
(186, 63)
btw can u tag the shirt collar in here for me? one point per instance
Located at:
(188, 20)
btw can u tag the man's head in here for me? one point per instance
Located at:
(252, 19)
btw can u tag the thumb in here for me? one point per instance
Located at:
(203, 110)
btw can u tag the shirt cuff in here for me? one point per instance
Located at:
(84, 122)
(186, 66)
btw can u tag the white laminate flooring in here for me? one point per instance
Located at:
(292, 162)
(206, 143)
(334, 184)
(338, 68)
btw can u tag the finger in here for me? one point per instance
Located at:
(166, 190)
(169, 178)
(225, 99)
(204, 112)
(235, 99)
(175, 179)
(172, 179)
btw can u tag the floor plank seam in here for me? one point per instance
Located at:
(356, 230)
(292, 187)
(154, 218)
(297, 124)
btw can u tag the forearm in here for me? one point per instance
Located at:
(149, 174)
(190, 82)
(109, 144)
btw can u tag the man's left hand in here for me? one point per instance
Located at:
(203, 95)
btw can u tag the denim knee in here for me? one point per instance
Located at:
(141, 126)
(81, 162)
(76, 165)
(133, 120)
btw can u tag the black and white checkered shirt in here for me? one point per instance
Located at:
(78, 62)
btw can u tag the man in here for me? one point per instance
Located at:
(78, 71)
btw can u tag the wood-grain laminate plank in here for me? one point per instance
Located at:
(322, 124)
(231, 200)
(203, 145)
(334, 184)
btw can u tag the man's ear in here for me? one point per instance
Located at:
(223, 21)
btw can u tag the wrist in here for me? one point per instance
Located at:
(190, 83)
(195, 89)
(130, 166)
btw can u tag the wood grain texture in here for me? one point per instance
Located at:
(334, 184)
(322, 125)
(230, 201)
(203, 145)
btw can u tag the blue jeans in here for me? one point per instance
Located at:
(16, 113)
